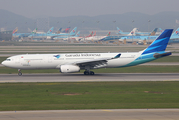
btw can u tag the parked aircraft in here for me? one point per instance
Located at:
(84, 38)
(147, 33)
(76, 37)
(74, 62)
(66, 30)
(140, 39)
(52, 35)
(41, 35)
(133, 32)
(96, 38)
(21, 35)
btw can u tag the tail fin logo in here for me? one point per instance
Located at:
(15, 30)
(177, 32)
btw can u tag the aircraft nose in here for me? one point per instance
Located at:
(3, 63)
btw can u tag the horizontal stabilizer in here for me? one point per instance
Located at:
(157, 55)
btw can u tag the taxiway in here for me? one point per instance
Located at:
(79, 77)
(105, 114)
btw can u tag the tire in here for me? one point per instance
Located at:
(19, 73)
(91, 73)
(86, 73)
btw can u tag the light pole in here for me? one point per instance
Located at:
(114, 25)
(68, 31)
(6, 26)
(83, 29)
(98, 24)
(26, 24)
(34, 24)
(148, 29)
(57, 26)
(132, 30)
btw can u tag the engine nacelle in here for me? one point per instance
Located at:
(69, 68)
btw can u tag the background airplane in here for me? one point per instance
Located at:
(49, 35)
(41, 35)
(76, 37)
(97, 38)
(127, 33)
(66, 30)
(22, 35)
(148, 39)
(84, 38)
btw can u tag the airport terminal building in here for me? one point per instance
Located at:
(6, 35)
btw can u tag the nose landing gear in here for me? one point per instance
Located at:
(19, 72)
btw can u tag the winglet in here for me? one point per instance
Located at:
(117, 56)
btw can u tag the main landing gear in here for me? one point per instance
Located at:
(19, 72)
(88, 73)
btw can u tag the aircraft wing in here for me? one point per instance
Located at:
(94, 63)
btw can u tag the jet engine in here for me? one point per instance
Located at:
(69, 68)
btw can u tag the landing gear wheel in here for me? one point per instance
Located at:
(19, 73)
(86, 73)
(91, 73)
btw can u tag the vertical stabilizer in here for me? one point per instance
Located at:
(50, 31)
(160, 43)
(73, 31)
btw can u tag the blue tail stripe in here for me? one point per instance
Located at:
(160, 43)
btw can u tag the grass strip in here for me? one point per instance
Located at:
(88, 95)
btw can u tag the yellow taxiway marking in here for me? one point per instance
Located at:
(90, 80)
(107, 110)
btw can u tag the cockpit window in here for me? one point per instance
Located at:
(8, 59)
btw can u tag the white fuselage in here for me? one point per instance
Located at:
(95, 38)
(54, 61)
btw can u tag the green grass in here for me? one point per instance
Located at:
(134, 69)
(2, 59)
(88, 95)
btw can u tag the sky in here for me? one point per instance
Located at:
(63, 8)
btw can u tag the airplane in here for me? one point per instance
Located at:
(59, 31)
(140, 39)
(50, 35)
(21, 35)
(41, 35)
(121, 37)
(84, 38)
(76, 37)
(66, 30)
(175, 37)
(94, 33)
(146, 33)
(74, 62)
(127, 33)
(96, 38)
